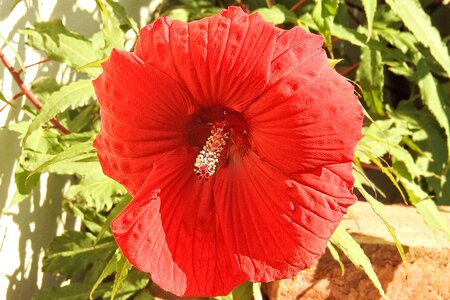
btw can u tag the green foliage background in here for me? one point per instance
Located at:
(394, 51)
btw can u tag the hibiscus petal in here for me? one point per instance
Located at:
(223, 60)
(275, 225)
(308, 116)
(170, 230)
(143, 113)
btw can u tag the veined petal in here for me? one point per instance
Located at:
(223, 60)
(308, 116)
(144, 113)
(276, 225)
(170, 230)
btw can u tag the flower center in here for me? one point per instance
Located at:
(226, 134)
(208, 159)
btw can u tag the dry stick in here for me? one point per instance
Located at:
(28, 93)
(297, 5)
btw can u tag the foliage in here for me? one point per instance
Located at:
(402, 73)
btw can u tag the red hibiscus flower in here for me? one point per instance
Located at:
(236, 140)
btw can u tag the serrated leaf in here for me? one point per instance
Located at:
(378, 208)
(433, 218)
(323, 15)
(113, 34)
(370, 76)
(108, 270)
(134, 283)
(60, 44)
(419, 23)
(25, 183)
(370, 7)
(360, 39)
(75, 152)
(97, 191)
(73, 251)
(120, 12)
(114, 212)
(433, 99)
(73, 291)
(344, 241)
(74, 94)
(122, 268)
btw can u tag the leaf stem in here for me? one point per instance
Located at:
(10, 101)
(28, 66)
(269, 3)
(297, 5)
(28, 93)
(349, 69)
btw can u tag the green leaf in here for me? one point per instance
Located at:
(180, 13)
(378, 208)
(134, 283)
(108, 270)
(60, 44)
(335, 256)
(344, 241)
(334, 62)
(113, 34)
(434, 219)
(73, 251)
(119, 12)
(433, 98)
(73, 291)
(370, 7)
(114, 212)
(122, 268)
(277, 14)
(370, 76)
(25, 183)
(75, 152)
(97, 190)
(323, 15)
(74, 94)
(419, 23)
(360, 39)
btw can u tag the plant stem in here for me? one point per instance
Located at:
(28, 93)
(38, 63)
(297, 5)
(349, 69)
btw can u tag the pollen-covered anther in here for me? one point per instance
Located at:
(208, 159)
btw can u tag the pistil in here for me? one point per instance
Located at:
(208, 159)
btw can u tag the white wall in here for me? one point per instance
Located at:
(27, 229)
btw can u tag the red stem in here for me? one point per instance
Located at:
(334, 40)
(369, 166)
(38, 63)
(13, 98)
(28, 93)
(243, 6)
(298, 5)
(349, 69)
